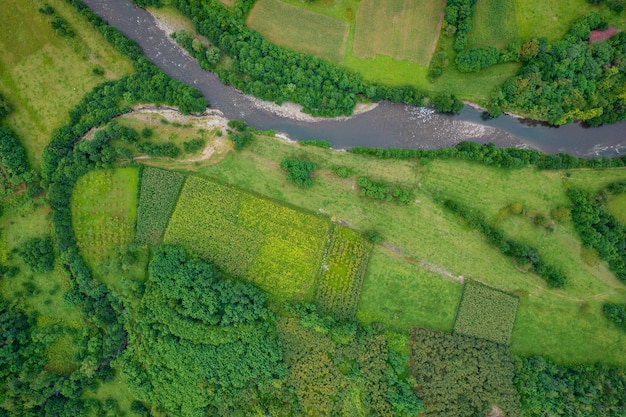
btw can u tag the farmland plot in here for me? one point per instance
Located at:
(342, 274)
(104, 207)
(277, 248)
(157, 197)
(486, 313)
(401, 29)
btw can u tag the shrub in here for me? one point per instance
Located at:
(343, 172)
(373, 237)
(383, 191)
(298, 171)
(240, 139)
(194, 145)
(560, 214)
(38, 253)
(147, 132)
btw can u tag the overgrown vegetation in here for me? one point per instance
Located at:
(378, 190)
(298, 171)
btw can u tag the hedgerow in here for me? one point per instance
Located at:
(158, 194)
(486, 313)
(276, 247)
(343, 270)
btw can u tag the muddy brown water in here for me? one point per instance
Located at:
(388, 125)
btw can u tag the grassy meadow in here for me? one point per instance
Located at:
(104, 209)
(432, 245)
(300, 29)
(617, 207)
(406, 30)
(43, 74)
(494, 24)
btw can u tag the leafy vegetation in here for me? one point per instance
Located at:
(547, 388)
(298, 171)
(158, 194)
(343, 269)
(38, 253)
(462, 376)
(382, 191)
(276, 247)
(486, 313)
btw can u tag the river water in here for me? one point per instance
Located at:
(387, 125)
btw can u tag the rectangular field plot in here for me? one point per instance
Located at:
(104, 207)
(277, 248)
(342, 274)
(494, 24)
(300, 29)
(157, 197)
(402, 29)
(402, 295)
(486, 313)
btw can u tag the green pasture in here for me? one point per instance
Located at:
(403, 295)
(300, 29)
(276, 247)
(104, 209)
(425, 232)
(44, 75)
(406, 30)
(593, 181)
(494, 24)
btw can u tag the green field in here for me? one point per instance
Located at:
(343, 269)
(104, 209)
(42, 74)
(486, 313)
(158, 195)
(402, 295)
(617, 207)
(300, 29)
(494, 24)
(278, 248)
(568, 323)
(406, 30)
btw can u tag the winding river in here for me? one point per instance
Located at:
(387, 125)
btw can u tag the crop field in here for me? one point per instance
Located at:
(402, 295)
(278, 248)
(343, 269)
(486, 313)
(300, 29)
(42, 74)
(402, 29)
(158, 194)
(494, 24)
(104, 207)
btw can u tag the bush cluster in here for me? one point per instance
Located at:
(380, 190)
(298, 172)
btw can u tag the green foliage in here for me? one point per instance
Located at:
(457, 18)
(615, 313)
(342, 368)
(167, 149)
(571, 79)
(343, 172)
(521, 253)
(194, 328)
(383, 191)
(475, 59)
(5, 107)
(194, 145)
(38, 253)
(319, 143)
(278, 248)
(547, 389)
(240, 139)
(147, 132)
(343, 270)
(121, 132)
(448, 103)
(373, 237)
(298, 171)
(158, 194)
(14, 158)
(461, 375)
(598, 229)
(486, 313)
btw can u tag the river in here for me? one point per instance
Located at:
(387, 125)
